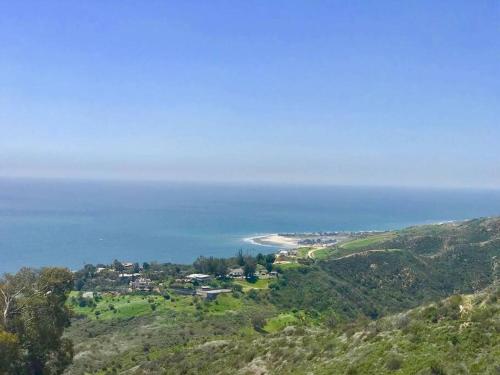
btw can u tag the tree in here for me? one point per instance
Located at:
(200, 264)
(9, 291)
(270, 258)
(240, 258)
(258, 322)
(89, 270)
(220, 267)
(10, 352)
(33, 320)
(261, 259)
(249, 267)
(331, 319)
(211, 265)
(118, 266)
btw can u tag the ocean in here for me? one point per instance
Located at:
(70, 223)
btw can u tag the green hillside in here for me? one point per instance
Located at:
(396, 270)
(423, 300)
(459, 335)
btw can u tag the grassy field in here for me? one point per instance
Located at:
(368, 243)
(224, 304)
(372, 242)
(259, 284)
(278, 323)
(325, 253)
(129, 306)
(303, 251)
(287, 266)
(131, 332)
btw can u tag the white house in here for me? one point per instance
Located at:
(89, 295)
(198, 277)
(236, 273)
(211, 294)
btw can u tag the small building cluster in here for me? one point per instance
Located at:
(141, 285)
(236, 273)
(129, 275)
(209, 293)
(285, 256)
(261, 272)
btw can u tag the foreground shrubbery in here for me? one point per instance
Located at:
(459, 335)
(33, 318)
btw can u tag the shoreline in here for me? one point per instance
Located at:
(272, 240)
(292, 240)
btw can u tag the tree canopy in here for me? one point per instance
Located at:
(34, 315)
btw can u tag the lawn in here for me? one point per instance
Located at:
(127, 306)
(372, 242)
(225, 303)
(258, 284)
(287, 266)
(368, 243)
(323, 253)
(303, 251)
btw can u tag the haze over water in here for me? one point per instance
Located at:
(69, 223)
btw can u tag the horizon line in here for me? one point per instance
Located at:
(254, 183)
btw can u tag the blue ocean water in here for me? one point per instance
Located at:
(69, 223)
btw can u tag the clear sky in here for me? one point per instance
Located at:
(330, 92)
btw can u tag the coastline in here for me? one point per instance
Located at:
(294, 240)
(272, 240)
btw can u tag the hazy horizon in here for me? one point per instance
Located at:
(222, 183)
(324, 93)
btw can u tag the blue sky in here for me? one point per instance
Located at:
(328, 92)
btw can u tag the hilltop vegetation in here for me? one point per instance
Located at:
(389, 272)
(459, 335)
(423, 300)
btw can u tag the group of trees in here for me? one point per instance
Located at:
(266, 260)
(119, 267)
(220, 266)
(211, 265)
(32, 320)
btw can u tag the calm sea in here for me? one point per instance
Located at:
(72, 223)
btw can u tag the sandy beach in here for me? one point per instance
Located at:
(273, 240)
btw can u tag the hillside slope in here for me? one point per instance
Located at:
(423, 300)
(459, 335)
(414, 266)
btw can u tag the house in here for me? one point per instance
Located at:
(182, 281)
(209, 293)
(128, 266)
(236, 273)
(142, 285)
(198, 277)
(283, 253)
(128, 275)
(88, 295)
(273, 274)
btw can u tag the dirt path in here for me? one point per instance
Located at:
(366, 252)
(310, 253)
